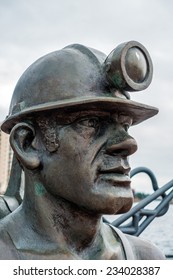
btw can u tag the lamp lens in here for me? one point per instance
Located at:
(136, 65)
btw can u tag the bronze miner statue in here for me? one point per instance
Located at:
(68, 124)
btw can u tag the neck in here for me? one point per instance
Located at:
(60, 221)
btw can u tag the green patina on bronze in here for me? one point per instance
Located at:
(117, 80)
(71, 139)
(39, 189)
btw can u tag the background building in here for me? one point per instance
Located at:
(5, 160)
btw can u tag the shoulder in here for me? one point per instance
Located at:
(143, 249)
(7, 249)
(137, 248)
(5, 245)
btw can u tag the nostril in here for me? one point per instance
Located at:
(121, 152)
(118, 151)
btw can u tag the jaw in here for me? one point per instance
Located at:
(105, 198)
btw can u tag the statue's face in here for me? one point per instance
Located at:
(90, 167)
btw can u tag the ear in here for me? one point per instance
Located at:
(21, 139)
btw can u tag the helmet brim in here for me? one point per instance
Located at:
(138, 111)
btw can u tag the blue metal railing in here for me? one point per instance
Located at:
(140, 217)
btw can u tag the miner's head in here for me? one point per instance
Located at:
(69, 120)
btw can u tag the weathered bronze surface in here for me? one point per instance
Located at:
(68, 123)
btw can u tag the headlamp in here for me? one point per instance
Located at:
(129, 67)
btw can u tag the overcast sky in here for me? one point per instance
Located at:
(30, 29)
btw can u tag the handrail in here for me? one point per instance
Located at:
(148, 171)
(140, 216)
(154, 183)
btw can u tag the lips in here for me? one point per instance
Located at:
(118, 175)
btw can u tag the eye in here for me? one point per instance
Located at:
(90, 122)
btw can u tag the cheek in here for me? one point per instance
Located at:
(75, 151)
(68, 173)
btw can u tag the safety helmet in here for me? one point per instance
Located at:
(80, 78)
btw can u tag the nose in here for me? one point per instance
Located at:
(124, 147)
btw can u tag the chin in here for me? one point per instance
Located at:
(113, 206)
(125, 206)
(121, 206)
(113, 200)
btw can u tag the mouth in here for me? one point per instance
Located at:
(118, 175)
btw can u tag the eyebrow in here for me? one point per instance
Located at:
(72, 117)
(76, 115)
